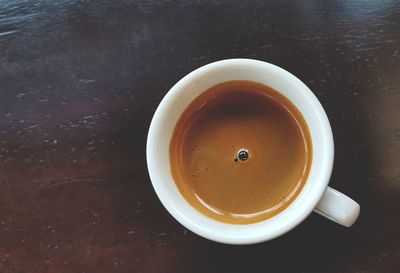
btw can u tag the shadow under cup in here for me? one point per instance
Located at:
(178, 99)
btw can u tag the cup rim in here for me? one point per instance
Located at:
(303, 212)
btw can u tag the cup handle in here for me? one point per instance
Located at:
(338, 207)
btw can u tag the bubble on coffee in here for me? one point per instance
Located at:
(243, 155)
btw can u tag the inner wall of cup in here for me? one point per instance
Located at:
(199, 81)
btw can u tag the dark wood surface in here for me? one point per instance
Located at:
(80, 81)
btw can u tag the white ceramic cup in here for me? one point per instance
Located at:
(315, 195)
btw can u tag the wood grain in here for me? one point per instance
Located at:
(80, 80)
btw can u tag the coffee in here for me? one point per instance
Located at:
(240, 153)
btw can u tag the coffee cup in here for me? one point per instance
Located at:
(316, 195)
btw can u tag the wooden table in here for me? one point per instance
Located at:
(80, 81)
